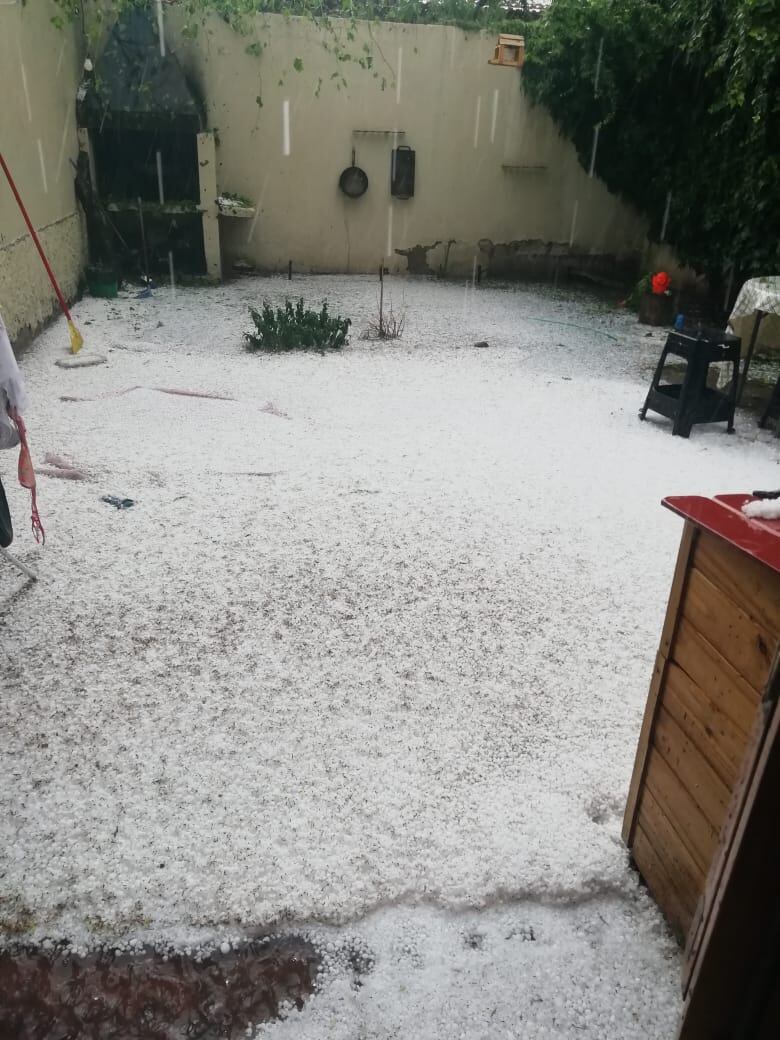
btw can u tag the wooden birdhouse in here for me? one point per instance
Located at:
(510, 51)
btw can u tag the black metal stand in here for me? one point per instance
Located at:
(693, 401)
(772, 410)
(760, 315)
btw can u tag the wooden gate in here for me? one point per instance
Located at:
(699, 821)
(732, 964)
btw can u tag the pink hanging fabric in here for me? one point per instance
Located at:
(12, 428)
(27, 477)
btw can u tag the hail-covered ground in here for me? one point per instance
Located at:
(367, 657)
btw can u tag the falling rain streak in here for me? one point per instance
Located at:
(465, 307)
(389, 251)
(399, 75)
(494, 117)
(59, 59)
(286, 127)
(160, 177)
(170, 272)
(65, 128)
(476, 121)
(252, 226)
(596, 130)
(160, 28)
(729, 286)
(665, 221)
(24, 88)
(43, 167)
(598, 66)
(258, 207)
(573, 222)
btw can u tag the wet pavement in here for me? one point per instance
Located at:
(52, 995)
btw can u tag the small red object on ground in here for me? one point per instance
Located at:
(660, 283)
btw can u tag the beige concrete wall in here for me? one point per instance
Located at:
(467, 120)
(39, 74)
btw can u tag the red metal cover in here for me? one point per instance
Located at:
(723, 516)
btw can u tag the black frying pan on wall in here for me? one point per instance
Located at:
(353, 181)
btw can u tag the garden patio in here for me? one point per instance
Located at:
(366, 659)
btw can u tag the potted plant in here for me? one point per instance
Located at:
(102, 280)
(230, 204)
(656, 306)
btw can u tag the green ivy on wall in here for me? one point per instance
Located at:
(239, 14)
(674, 104)
(337, 20)
(686, 98)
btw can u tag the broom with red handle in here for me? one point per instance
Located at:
(76, 341)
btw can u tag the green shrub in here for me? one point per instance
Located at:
(643, 286)
(296, 328)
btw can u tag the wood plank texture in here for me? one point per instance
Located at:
(660, 884)
(692, 769)
(742, 578)
(734, 981)
(740, 796)
(694, 829)
(747, 646)
(712, 731)
(720, 638)
(710, 670)
(687, 544)
(685, 875)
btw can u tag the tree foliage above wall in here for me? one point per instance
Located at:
(336, 19)
(467, 14)
(686, 95)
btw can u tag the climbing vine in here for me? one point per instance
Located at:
(467, 14)
(240, 14)
(675, 104)
(337, 21)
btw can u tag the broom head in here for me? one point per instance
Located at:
(76, 339)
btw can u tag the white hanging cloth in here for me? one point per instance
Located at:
(12, 393)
